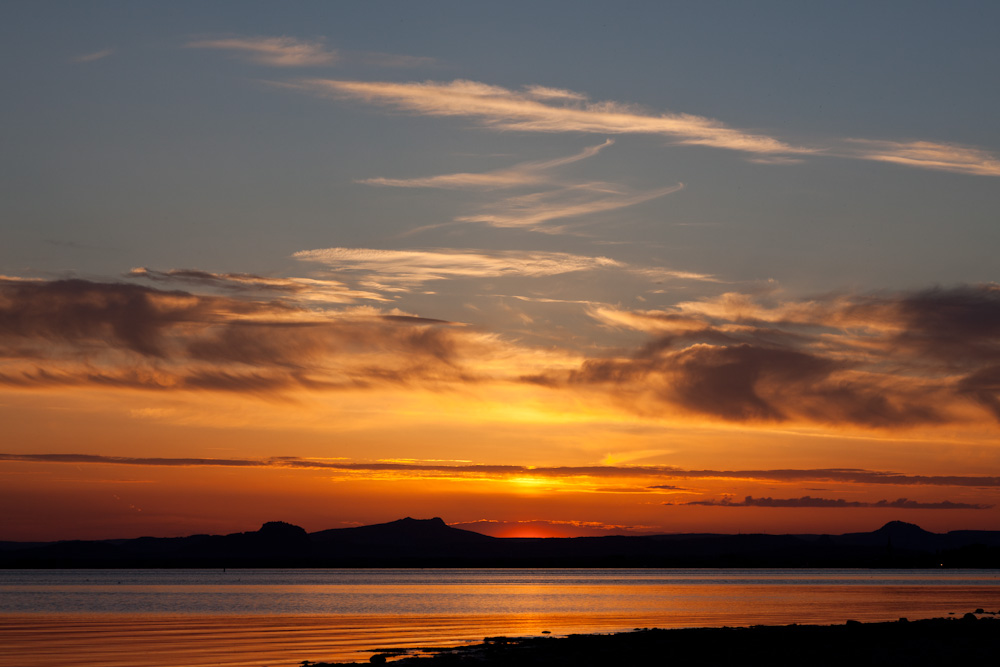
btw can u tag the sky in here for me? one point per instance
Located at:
(545, 269)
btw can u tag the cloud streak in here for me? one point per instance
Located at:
(928, 155)
(303, 289)
(525, 173)
(534, 211)
(272, 51)
(539, 109)
(836, 503)
(398, 271)
(91, 57)
(642, 473)
(436, 264)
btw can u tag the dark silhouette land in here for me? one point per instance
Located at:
(432, 543)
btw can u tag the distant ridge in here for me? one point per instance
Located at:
(413, 542)
(402, 532)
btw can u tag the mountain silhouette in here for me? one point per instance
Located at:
(406, 532)
(907, 535)
(413, 542)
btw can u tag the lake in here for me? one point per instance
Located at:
(278, 618)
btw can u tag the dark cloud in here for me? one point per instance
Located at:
(879, 361)
(883, 361)
(983, 386)
(960, 325)
(844, 475)
(85, 314)
(836, 503)
(746, 382)
(130, 460)
(730, 381)
(76, 332)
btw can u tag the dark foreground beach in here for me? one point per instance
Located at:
(973, 639)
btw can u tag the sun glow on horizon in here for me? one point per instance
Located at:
(360, 269)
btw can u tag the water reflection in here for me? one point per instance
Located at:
(188, 618)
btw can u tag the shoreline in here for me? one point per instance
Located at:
(972, 638)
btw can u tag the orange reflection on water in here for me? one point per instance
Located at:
(237, 641)
(251, 640)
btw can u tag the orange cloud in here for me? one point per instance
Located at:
(75, 332)
(538, 109)
(541, 109)
(414, 266)
(929, 155)
(273, 51)
(882, 361)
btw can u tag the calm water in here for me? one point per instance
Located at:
(189, 618)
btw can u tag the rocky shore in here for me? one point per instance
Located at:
(968, 640)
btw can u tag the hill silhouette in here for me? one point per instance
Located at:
(413, 542)
(406, 532)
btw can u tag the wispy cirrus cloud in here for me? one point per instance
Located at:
(534, 211)
(272, 51)
(302, 289)
(836, 503)
(91, 57)
(541, 109)
(416, 266)
(285, 51)
(928, 155)
(525, 173)
(397, 271)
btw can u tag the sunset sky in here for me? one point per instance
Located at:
(551, 268)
